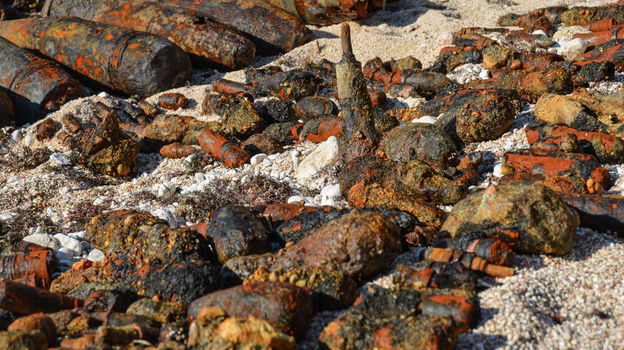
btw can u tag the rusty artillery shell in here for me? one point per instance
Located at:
(45, 129)
(320, 129)
(468, 260)
(585, 14)
(35, 86)
(601, 213)
(221, 148)
(206, 40)
(313, 107)
(149, 109)
(172, 101)
(599, 26)
(177, 150)
(25, 300)
(40, 263)
(131, 62)
(552, 13)
(71, 123)
(326, 12)
(270, 28)
(230, 87)
(358, 135)
(465, 311)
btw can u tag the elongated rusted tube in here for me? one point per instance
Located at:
(271, 29)
(206, 40)
(220, 147)
(25, 300)
(35, 85)
(131, 62)
(326, 12)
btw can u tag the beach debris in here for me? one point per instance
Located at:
(99, 52)
(208, 42)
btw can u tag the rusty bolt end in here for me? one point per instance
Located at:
(345, 39)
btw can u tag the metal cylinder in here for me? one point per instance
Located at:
(206, 40)
(326, 12)
(130, 62)
(271, 29)
(35, 86)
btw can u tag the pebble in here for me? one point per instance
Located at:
(79, 235)
(485, 74)
(426, 119)
(570, 49)
(95, 255)
(498, 172)
(257, 159)
(59, 159)
(167, 215)
(266, 162)
(43, 240)
(64, 253)
(70, 243)
(17, 135)
(326, 154)
(8, 216)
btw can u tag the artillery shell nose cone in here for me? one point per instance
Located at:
(345, 39)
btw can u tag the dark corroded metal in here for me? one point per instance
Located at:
(35, 85)
(131, 62)
(206, 40)
(271, 29)
(7, 114)
(326, 12)
(358, 136)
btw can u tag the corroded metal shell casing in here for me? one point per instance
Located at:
(271, 29)
(326, 12)
(208, 42)
(35, 85)
(131, 62)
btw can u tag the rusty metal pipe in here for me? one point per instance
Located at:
(35, 86)
(208, 42)
(131, 62)
(271, 29)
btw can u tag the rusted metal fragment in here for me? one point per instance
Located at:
(424, 142)
(23, 339)
(602, 213)
(362, 195)
(221, 148)
(277, 111)
(207, 41)
(559, 184)
(34, 85)
(324, 70)
(590, 72)
(33, 322)
(45, 129)
(323, 13)
(172, 101)
(142, 235)
(613, 32)
(429, 276)
(493, 250)
(313, 107)
(177, 150)
(607, 148)
(159, 311)
(410, 179)
(270, 28)
(105, 149)
(329, 289)
(305, 224)
(390, 319)
(237, 231)
(611, 51)
(587, 111)
(292, 85)
(239, 118)
(111, 300)
(320, 129)
(285, 306)
(285, 133)
(71, 323)
(553, 13)
(131, 62)
(530, 85)
(279, 212)
(25, 300)
(529, 218)
(38, 263)
(549, 163)
(261, 143)
(215, 329)
(585, 14)
(358, 134)
(451, 60)
(358, 243)
(7, 114)
(469, 261)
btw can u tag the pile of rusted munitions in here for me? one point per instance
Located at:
(142, 47)
(253, 277)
